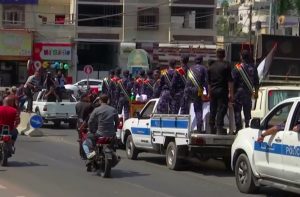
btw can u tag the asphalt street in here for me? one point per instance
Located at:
(50, 166)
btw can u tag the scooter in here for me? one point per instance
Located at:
(5, 145)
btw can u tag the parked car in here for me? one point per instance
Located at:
(275, 160)
(82, 84)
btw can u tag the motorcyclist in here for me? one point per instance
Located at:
(102, 122)
(9, 116)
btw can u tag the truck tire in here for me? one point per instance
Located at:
(131, 151)
(172, 156)
(244, 176)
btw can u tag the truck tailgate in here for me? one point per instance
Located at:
(61, 109)
(211, 140)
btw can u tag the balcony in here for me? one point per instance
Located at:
(105, 34)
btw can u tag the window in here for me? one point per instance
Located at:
(94, 83)
(276, 96)
(148, 19)
(278, 115)
(148, 110)
(13, 16)
(86, 12)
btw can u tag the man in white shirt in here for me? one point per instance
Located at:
(31, 86)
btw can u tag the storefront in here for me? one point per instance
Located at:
(52, 57)
(15, 51)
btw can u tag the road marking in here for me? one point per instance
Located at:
(2, 187)
(20, 196)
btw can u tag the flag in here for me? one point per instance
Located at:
(264, 67)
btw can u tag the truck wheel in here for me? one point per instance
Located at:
(172, 156)
(244, 176)
(57, 124)
(131, 151)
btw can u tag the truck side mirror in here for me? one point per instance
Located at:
(255, 123)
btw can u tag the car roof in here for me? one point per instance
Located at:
(100, 80)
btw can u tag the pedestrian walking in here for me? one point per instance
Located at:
(220, 88)
(246, 85)
(193, 91)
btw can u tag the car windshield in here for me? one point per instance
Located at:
(276, 96)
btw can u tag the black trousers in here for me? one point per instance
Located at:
(218, 108)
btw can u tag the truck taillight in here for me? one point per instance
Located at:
(45, 108)
(120, 126)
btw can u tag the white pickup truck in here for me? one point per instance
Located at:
(56, 111)
(274, 161)
(172, 135)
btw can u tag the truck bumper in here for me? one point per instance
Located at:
(210, 151)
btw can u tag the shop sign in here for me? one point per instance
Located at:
(15, 43)
(19, 1)
(49, 51)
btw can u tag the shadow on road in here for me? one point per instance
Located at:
(271, 192)
(116, 173)
(24, 164)
(208, 168)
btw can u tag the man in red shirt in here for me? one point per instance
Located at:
(10, 116)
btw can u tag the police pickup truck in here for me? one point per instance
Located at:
(172, 135)
(275, 160)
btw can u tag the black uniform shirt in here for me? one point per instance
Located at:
(219, 74)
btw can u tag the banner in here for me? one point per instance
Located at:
(52, 51)
(264, 67)
(15, 43)
(19, 1)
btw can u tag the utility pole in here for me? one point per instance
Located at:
(271, 16)
(250, 25)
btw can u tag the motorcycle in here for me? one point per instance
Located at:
(5, 145)
(105, 158)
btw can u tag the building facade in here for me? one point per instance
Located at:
(34, 35)
(108, 30)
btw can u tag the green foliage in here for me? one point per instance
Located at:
(297, 5)
(222, 26)
(283, 6)
(224, 4)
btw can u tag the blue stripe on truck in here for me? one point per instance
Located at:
(140, 131)
(180, 124)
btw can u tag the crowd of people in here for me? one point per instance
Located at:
(179, 86)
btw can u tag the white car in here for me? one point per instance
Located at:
(56, 112)
(93, 83)
(275, 161)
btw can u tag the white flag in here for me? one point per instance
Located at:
(264, 67)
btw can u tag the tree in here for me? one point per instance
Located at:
(222, 26)
(283, 6)
(224, 4)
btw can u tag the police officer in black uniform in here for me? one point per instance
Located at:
(220, 89)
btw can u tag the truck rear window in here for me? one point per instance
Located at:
(276, 96)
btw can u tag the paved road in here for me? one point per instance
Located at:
(50, 166)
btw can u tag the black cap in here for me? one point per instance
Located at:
(185, 58)
(199, 59)
(142, 72)
(245, 55)
(172, 63)
(150, 72)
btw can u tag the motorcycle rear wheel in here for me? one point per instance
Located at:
(105, 170)
(3, 157)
